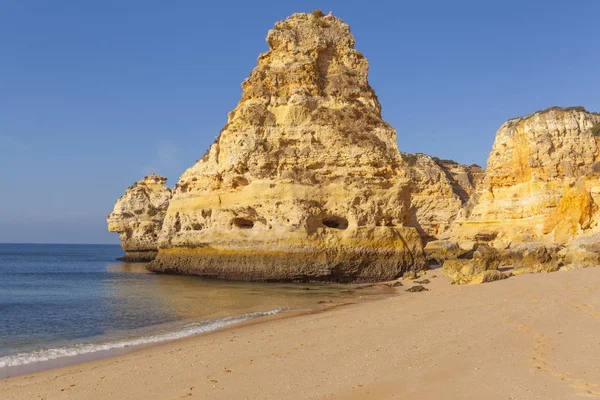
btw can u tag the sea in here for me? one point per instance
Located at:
(62, 304)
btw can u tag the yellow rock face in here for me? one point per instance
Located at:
(305, 181)
(438, 191)
(138, 216)
(572, 215)
(540, 184)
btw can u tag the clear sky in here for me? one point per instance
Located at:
(96, 94)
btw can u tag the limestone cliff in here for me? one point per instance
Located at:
(438, 191)
(138, 216)
(542, 182)
(305, 181)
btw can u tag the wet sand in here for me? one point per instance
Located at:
(527, 337)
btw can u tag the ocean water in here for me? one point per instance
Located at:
(61, 301)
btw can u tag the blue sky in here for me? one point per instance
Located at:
(94, 95)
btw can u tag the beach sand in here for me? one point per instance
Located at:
(527, 337)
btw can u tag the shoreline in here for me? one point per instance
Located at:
(119, 349)
(100, 355)
(537, 331)
(204, 327)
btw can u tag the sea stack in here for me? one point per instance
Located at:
(305, 181)
(138, 216)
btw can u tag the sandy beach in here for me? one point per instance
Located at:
(528, 337)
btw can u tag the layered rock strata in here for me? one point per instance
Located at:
(138, 217)
(540, 193)
(305, 181)
(541, 182)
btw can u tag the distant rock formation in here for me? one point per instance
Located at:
(438, 191)
(138, 216)
(305, 181)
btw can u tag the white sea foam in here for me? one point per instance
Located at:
(77, 349)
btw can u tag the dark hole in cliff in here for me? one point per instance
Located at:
(177, 224)
(243, 223)
(336, 222)
(206, 213)
(182, 187)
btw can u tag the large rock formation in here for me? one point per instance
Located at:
(541, 182)
(138, 217)
(305, 181)
(540, 192)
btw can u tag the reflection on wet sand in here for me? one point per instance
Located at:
(196, 298)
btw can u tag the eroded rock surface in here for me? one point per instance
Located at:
(540, 182)
(582, 251)
(305, 181)
(138, 217)
(541, 189)
(438, 191)
(478, 266)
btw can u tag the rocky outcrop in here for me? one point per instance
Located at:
(531, 257)
(305, 181)
(438, 191)
(479, 267)
(541, 189)
(540, 182)
(582, 251)
(138, 217)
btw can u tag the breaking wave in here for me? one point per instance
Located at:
(78, 349)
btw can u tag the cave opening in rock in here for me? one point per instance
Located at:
(243, 223)
(336, 222)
